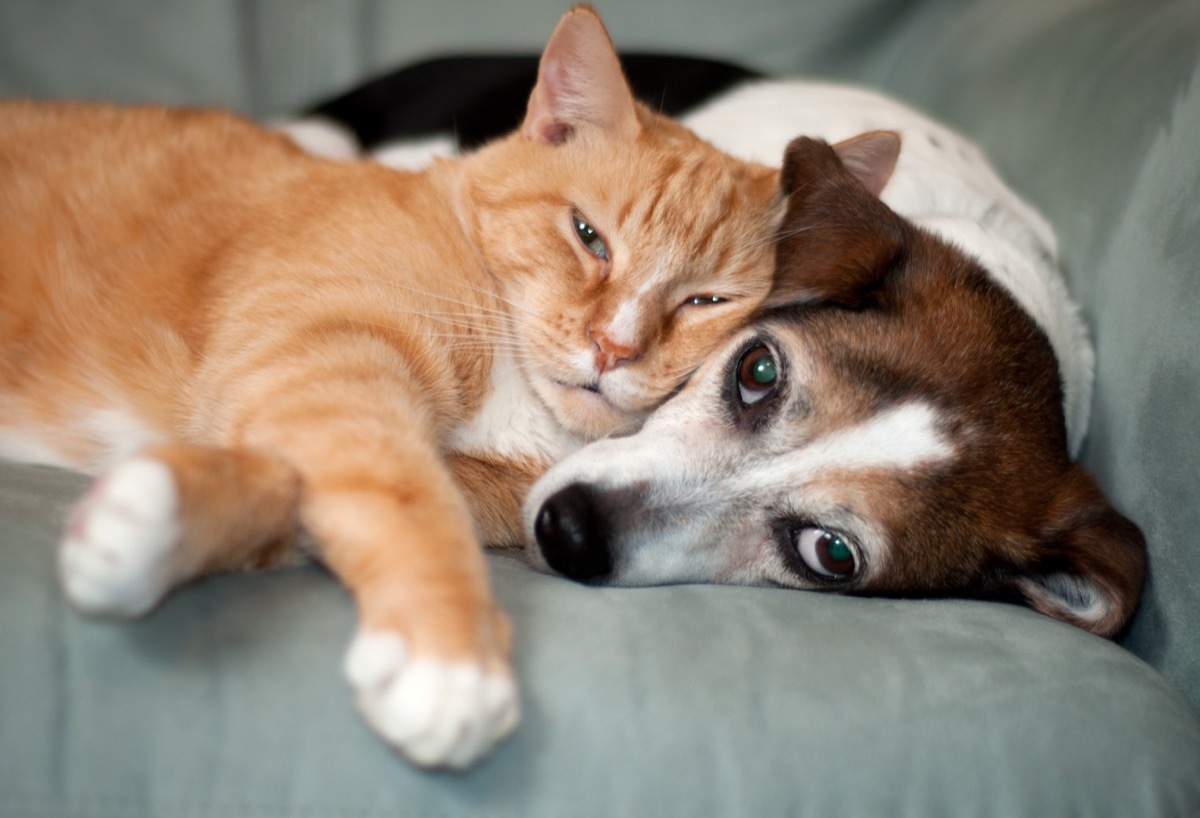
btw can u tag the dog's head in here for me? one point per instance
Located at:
(892, 424)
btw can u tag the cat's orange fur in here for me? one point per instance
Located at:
(300, 340)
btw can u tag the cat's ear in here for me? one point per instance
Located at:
(870, 157)
(580, 84)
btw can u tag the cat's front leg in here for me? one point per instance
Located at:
(429, 666)
(171, 514)
(495, 487)
(361, 415)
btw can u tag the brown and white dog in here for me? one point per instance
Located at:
(900, 420)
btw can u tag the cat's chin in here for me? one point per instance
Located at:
(585, 411)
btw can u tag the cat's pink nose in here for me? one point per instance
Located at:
(609, 353)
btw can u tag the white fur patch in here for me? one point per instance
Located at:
(115, 558)
(29, 446)
(1071, 594)
(94, 440)
(622, 329)
(320, 137)
(902, 437)
(116, 434)
(513, 421)
(439, 714)
(415, 154)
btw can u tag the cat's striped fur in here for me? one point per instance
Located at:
(244, 341)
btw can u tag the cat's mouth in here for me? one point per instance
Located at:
(586, 410)
(593, 387)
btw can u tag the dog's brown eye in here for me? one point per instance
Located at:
(757, 374)
(828, 555)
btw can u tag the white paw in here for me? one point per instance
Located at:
(439, 714)
(115, 557)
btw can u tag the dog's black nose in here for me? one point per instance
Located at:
(572, 532)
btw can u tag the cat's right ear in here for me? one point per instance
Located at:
(580, 84)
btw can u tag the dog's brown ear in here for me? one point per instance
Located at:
(837, 238)
(870, 157)
(1092, 561)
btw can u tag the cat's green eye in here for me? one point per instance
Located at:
(589, 237)
(703, 300)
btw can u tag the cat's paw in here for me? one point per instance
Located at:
(437, 713)
(115, 557)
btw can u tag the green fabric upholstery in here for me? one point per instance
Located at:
(686, 700)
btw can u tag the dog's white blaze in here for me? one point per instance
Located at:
(900, 438)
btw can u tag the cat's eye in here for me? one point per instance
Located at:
(703, 300)
(757, 373)
(588, 236)
(827, 554)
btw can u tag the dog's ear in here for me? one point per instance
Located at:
(870, 157)
(837, 239)
(1092, 560)
(580, 84)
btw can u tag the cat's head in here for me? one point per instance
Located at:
(626, 247)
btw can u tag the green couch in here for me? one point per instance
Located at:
(692, 701)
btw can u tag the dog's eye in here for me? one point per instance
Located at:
(757, 374)
(589, 237)
(828, 555)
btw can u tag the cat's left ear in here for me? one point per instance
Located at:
(580, 84)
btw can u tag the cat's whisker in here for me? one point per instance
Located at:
(478, 338)
(502, 299)
(471, 308)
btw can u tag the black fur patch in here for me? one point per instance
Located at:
(478, 98)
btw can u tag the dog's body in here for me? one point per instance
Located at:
(905, 428)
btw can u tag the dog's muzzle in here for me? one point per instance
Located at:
(572, 532)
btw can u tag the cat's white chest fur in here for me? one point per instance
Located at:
(513, 422)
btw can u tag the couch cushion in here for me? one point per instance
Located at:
(689, 700)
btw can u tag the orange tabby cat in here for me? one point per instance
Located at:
(244, 339)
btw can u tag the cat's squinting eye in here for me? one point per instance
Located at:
(703, 300)
(588, 236)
